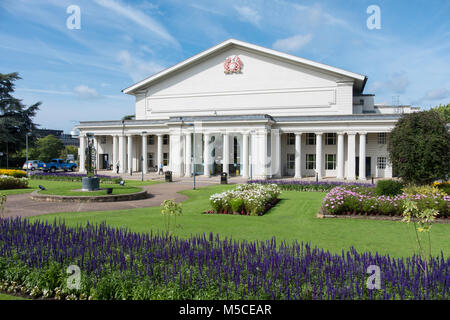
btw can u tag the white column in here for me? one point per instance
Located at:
(188, 155)
(226, 153)
(263, 163)
(298, 155)
(175, 154)
(130, 153)
(160, 154)
(122, 154)
(276, 153)
(115, 157)
(206, 152)
(362, 155)
(340, 155)
(82, 153)
(144, 154)
(319, 164)
(245, 155)
(97, 156)
(351, 156)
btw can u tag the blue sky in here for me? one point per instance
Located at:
(79, 74)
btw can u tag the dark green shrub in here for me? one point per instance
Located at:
(389, 188)
(419, 147)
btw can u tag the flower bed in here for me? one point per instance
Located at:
(118, 264)
(364, 201)
(62, 176)
(305, 185)
(246, 199)
(13, 173)
(9, 182)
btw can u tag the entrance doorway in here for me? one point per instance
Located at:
(104, 161)
(368, 169)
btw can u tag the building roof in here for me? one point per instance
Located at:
(360, 80)
(248, 118)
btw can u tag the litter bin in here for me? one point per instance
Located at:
(168, 175)
(224, 178)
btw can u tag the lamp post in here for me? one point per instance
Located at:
(26, 143)
(142, 155)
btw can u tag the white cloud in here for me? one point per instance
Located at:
(136, 68)
(85, 92)
(293, 43)
(139, 18)
(248, 14)
(397, 83)
(45, 91)
(315, 15)
(436, 94)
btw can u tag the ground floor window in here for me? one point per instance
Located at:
(291, 161)
(330, 162)
(381, 162)
(165, 158)
(310, 161)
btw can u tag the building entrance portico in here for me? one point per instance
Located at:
(258, 153)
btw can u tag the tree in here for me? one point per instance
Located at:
(69, 150)
(15, 117)
(48, 147)
(419, 147)
(444, 111)
(128, 117)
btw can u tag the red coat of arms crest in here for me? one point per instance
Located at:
(232, 65)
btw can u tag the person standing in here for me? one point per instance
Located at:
(117, 167)
(160, 171)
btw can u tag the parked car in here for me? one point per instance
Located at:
(33, 165)
(59, 164)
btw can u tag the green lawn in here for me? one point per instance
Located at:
(10, 297)
(293, 218)
(65, 187)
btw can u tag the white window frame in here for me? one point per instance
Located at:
(308, 161)
(381, 163)
(309, 137)
(333, 161)
(291, 161)
(331, 136)
(382, 137)
(291, 139)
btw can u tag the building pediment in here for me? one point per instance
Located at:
(254, 59)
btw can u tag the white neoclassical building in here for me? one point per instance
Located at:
(250, 111)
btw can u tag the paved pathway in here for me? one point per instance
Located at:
(20, 205)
